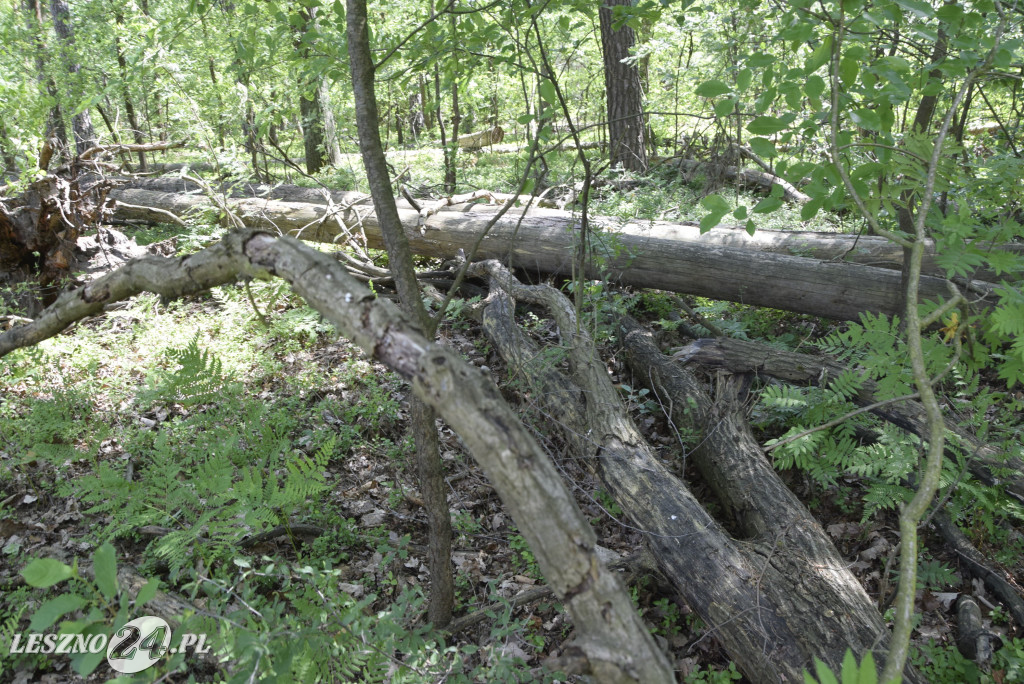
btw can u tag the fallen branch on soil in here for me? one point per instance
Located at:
(743, 356)
(976, 564)
(761, 179)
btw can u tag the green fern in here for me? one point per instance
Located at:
(197, 379)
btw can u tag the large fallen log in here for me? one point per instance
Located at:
(859, 249)
(642, 254)
(777, 599)
(474, 141)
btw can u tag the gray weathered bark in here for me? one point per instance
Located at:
(777, 599)
(643, 254)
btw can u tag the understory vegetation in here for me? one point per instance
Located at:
(208, 422)
(183, 432)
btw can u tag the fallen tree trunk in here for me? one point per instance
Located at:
(839, 247)
(645, 255)
(474, 141)
(775, 601)
(615, 640)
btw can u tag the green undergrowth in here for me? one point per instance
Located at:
(176, 431)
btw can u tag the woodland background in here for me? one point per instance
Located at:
(706, 363)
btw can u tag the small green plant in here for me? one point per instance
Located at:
(95, 607)
(465, 524)
(712, 676)
(608, 503)
(852, 672)
(669, 618)
(523, 557)
(197, 378)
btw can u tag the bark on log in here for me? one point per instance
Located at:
(474, 141)
(779, 598)
(742, 356)
(838, 247)
(645, 254)
(611, 632)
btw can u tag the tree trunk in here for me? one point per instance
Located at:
(7, 154)
(645, 254)
(624, 92)
(129, 106)
(428, 455)
(320, 132)
(81, 123)
(55, 140)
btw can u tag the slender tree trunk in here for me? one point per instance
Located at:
(432, 483)
(81, 123)
(55, 140)
(320, 134)
(212, 67)
(7, 151)
(129, 106)
(624, 93)
(313, 133)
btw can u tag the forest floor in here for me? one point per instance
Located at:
(181, 430)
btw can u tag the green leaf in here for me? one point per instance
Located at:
(716, 204)
(819, 57)
(710, 221)
(524, 118)
(809, 210)
(548, 92)
(868, 670)
(761, 59)
(740, 213)
(54, 609)
(814, 86)
(85, 663)
(45, 572)
(712, 88)
(766, 205)
(867, 119)
(743, 79)
(763, 147)
(849, 66)
(766, 125)
(921, 10)
(104, 567)
(825, 675)
(725, 107)
(147, 592)
(850, 672)
(751, 228)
